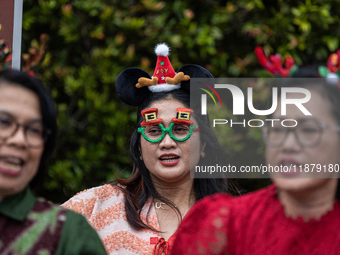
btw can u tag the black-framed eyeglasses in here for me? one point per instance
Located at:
(35, 134)
(308, 133)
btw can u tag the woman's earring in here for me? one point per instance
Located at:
(141, 158)
(202, 154)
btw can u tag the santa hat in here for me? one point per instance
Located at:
(134, 84)
(163, 66)
(164, 77)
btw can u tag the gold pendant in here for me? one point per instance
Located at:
(158, 205)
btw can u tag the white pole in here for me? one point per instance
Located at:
(17, 31)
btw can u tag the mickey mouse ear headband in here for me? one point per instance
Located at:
(134, 84)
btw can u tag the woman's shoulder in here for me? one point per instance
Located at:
(207, 225)
(223, 206)
(103, 192)
(214, 200)
(252, 198)
(205, 209)
(218, 200)
(78, 237)
(95, 199)
(206, 219)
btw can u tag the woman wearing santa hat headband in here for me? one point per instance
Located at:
(141, 214)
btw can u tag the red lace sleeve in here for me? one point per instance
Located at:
(204, 228)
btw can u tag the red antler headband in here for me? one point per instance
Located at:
(273, 64)
(331, 71)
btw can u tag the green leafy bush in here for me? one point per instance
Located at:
(92, 41)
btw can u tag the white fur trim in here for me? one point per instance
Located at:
(332, 78)
(164, 87)
(162, 49)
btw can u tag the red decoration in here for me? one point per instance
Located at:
(183, 117)
(333, 63)
(163, 66)
(150, 117)
(153, 240)
(274, 64)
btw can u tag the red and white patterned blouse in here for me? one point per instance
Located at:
(104, 209)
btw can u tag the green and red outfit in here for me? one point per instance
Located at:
(34, 226)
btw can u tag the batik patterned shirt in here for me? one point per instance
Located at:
(34, 226)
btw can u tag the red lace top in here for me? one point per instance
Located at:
(255, 224)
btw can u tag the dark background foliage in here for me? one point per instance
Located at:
(92, 41)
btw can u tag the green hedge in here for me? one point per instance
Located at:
(92, 41)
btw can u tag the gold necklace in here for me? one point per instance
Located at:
(159, 205)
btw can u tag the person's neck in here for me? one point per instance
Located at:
(310, 204)
(178, 193)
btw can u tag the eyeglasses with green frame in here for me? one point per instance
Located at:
(177, 132)
(308, 133)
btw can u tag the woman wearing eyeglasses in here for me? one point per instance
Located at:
(141, 214)
(27, 137)
(300, 212)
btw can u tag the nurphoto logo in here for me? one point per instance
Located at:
(238, 106)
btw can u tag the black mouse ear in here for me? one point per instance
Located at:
(126, 86)
(194, 71)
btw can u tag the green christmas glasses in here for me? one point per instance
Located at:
(178, 133)
(179, 130)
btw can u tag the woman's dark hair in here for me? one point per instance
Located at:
(331, 92)
(328, 90)
(47, 111)
(139, 187)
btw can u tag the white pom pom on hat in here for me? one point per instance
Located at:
(162, 49)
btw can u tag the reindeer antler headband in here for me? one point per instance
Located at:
(331, 71)
(274, 63)
(134, 84)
